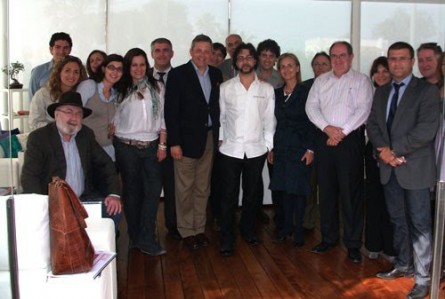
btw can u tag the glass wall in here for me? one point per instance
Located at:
(302, 27)
(136, 23)
(383, 23)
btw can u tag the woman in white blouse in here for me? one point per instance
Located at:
(140, 144)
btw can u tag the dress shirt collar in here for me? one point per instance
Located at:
(406, 80)
(256, 80)
(198, 71)
(345, 75)
(156, 71)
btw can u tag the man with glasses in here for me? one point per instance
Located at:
(402, 127)
(339, 103)
(321, 64)
(245, 137)
(69, 150)
(60, 45)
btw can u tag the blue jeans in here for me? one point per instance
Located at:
(141, 183)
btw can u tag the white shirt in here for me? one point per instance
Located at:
(343, 102)
(136, 118)
(247, 118)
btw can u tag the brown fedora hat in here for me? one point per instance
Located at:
(71, 98)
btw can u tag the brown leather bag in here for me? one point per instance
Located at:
(71, 248)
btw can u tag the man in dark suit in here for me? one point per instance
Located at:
(402, 126)
(70, 151)
(162, 53)
(192, 119)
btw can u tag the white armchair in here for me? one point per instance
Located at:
(33, 254)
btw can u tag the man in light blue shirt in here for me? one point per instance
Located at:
(60, 45)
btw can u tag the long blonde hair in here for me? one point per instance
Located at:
(54, 84)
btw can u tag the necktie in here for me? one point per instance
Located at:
(393, 106)
(161, 77)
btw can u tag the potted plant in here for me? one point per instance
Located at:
(12, 71)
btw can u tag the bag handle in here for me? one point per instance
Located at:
(78, 208)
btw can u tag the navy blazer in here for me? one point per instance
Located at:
(412, 133)
(45, 158)
(187, 111)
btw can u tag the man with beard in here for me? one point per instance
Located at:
(70, 151)
(246, 136)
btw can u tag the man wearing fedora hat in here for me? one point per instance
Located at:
(69, 150)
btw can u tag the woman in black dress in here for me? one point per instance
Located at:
(293, 148)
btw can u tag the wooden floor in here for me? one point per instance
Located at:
(266, 271)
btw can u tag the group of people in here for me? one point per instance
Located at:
(200, 129)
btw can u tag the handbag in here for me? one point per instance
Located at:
(71, 248)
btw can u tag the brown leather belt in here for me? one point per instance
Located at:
(137, 143)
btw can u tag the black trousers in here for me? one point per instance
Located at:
(378, 228)
(231, 171)
(168, 184)
(341, 177)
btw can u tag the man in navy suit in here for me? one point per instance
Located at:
(192, 119)
(402, 125)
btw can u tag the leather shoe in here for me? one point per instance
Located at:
(226, 252)
(418, 292)
(279, 239)
(202, 240)
(395, 273)
(191, 243)
(354, 255)
(322, 247)
(252, 241)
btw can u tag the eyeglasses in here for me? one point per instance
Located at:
(339, 56)
(399, 59)
(71, 113)
(320, 64)
(242, 58)
(112, 68)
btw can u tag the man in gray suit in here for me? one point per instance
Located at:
(402, 125)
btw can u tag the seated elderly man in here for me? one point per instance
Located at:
(69, 150)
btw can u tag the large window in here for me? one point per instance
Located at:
(136, 23)
(302, 27)
(383, 23)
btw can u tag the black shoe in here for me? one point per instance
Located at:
(418, 292)
(226, 252)
(202, 240)
(395, 273)
(252, 241)
(322, 247)
(298, 244)
(174, 234)
(279, 239)
(191, 243)
(354, 255)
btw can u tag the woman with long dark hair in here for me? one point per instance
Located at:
(140, 144)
